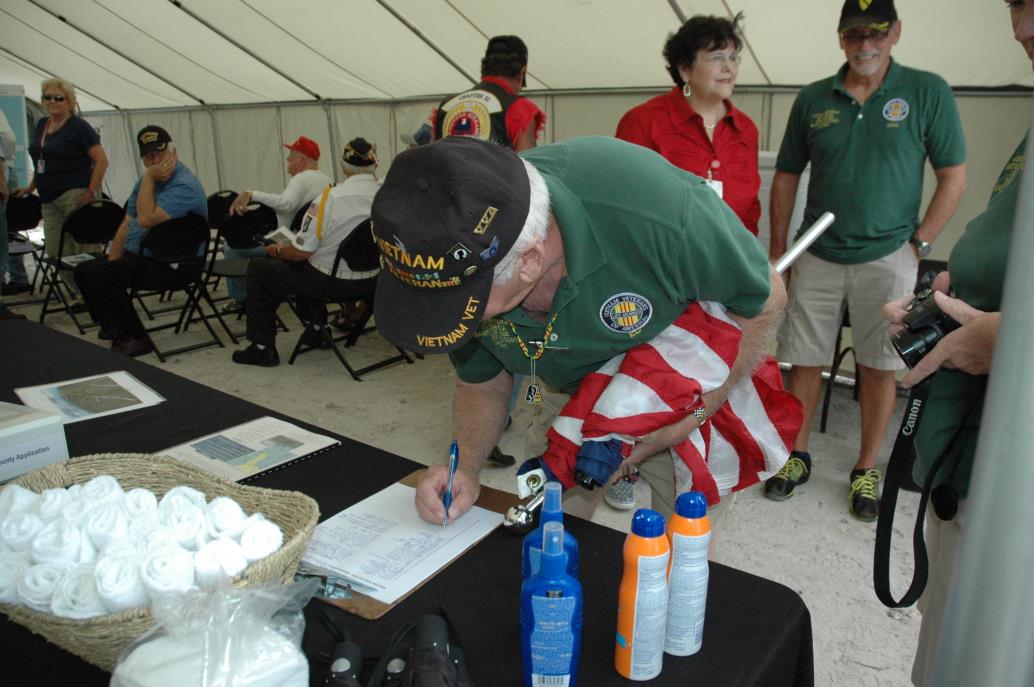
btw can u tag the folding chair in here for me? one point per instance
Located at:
(219, 207)
(94, 222)
(25, 213)
(360, 253)
(176, 241)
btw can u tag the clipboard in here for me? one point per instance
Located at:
(366, 607)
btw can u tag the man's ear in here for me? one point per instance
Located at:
(530, 263)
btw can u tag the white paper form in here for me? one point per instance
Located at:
(383, 546)
(89, 397)
(250, 448)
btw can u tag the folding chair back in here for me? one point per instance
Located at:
(359, 251)
(240, 230)
(296, 221)
(94, 222)
(219, 206)
(183, 239)
(23, 213)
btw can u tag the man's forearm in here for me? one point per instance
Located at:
(146, 203)
(951, 184)
(478, 417)
(784, 191)
(756, 335)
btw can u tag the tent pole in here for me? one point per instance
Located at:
(333, 137)
(215, 144)
(132, 143)
(989, 625)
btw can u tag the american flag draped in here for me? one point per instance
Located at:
(660, 382)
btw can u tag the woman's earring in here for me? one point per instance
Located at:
(685, 90)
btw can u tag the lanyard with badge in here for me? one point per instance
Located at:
(712, 183)
(534, 394)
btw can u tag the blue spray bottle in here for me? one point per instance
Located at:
(551, 617)
(552, 511)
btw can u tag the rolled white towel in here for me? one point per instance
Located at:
(76, 510)
(219, 561)
(189, 524)
(36, 588)
(18, 530)
(52, 503)
(120, 547)
(260, 539)
(167, 571)
(141, 527)
(58, 542)
(76, 595)
(226, 518)
(13, 565)
(15, 498)
(103, 489)
(178, 496)
(140, 503)
(119, 584)
(158, 538)
(106, 523)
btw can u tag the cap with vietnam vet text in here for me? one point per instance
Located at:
(878, 15)
(446, 214)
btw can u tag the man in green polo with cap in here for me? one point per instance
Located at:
(550, 264)
(867, 132)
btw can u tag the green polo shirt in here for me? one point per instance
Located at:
(867, 160)
(977, 266)
(641, 239)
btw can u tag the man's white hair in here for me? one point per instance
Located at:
(534, 227)
(350, 170)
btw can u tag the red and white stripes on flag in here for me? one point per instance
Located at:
(660, 382)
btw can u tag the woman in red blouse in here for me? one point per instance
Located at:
(695, 125)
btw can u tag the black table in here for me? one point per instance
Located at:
(757, 632)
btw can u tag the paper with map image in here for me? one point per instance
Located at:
(89, 397)
(250, 448)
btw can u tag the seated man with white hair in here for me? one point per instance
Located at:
(303, 267)
(550, 266)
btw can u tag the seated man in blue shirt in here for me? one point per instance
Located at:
(167, 190)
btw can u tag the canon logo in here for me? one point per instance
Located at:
(913, 417)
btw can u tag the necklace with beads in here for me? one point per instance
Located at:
(534, 395)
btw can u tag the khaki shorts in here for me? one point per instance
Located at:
(657, 470)
(818, 291)
(943, 540)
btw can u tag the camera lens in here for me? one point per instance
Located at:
(912, 345)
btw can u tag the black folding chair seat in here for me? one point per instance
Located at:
(360, 253)
(23, 213)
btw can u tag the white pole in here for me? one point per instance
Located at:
(988, 637)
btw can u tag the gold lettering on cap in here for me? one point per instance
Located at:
(445, 340)
(149, 137)
(471, 309)
(428, 262)
(486, 219)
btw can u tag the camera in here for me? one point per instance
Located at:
(925, 325)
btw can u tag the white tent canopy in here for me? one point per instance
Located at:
(132, 54)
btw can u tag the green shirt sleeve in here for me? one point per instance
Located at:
(945, 142)
(793, 151)
(474, 363)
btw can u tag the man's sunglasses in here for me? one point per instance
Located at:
(55, 98)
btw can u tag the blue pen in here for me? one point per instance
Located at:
(454, 462)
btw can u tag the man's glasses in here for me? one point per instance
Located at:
(718, 59)
(859, 37)
(55, 98)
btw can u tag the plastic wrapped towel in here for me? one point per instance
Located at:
(15, 498)
(167, 571)
(52, 503)
(106, 523)
(226, 518)
(18, 530)
(219, 561)
(260, 539)
(103, 489)
(13, 565)
(37, 585)
(119, 584)
(76, 595)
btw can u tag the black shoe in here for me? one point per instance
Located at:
(78, 308)
(313, 338)
(131, 346)
(864, 501)
(795, 472)
(253, 355)
(500, 459)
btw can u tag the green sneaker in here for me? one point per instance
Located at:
(795, 472)
(864, 501)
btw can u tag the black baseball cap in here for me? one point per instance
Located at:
(359, 152)
(152, 138)
(446, 214)
(872, 14)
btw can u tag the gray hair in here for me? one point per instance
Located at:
(351, 170)
(534, 227)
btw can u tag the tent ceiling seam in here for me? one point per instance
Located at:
(674, 4)
(64, 20)
(431, 44)
(317, 52)
(750, 48)
(249, 53)
(47, 74)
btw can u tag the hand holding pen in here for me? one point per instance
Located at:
(454, 463)
(435, 483)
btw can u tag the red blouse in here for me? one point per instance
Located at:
(670, 126)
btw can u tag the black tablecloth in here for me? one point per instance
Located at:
(757, 632)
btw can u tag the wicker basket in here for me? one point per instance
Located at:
(100, 640)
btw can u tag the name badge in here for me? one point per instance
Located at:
(715, 186)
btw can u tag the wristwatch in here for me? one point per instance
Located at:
(922, 247)
(701, 415)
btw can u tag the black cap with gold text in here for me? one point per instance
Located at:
(878, 15)
(445, 216)
(152, 138)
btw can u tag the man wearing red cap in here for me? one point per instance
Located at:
(306, 184)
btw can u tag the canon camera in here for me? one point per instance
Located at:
(925, 325)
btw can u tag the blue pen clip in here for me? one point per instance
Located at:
(454, 462)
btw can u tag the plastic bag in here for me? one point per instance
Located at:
(248, 637)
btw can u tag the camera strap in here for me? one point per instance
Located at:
(901, 459)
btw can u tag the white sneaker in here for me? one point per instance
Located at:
(621, 494)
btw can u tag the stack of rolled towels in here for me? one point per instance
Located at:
(94, 549)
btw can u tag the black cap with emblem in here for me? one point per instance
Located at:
(878, 15)
(445, 216)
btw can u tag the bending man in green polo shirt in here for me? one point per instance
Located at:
(549, 266)
(867, 132)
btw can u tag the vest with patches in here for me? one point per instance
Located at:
(479, 113)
